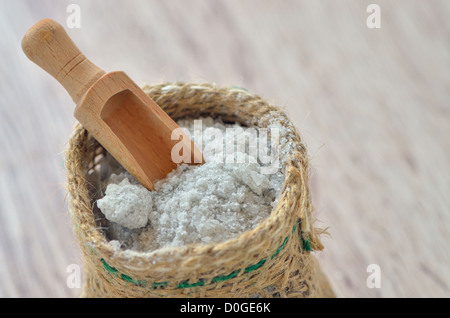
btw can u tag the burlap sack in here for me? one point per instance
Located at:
(274, 259)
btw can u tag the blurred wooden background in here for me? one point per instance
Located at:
(371, 104)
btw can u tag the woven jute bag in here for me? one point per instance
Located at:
(274, 259)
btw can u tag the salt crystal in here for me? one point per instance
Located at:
(126, 204)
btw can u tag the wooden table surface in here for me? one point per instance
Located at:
(371, 104)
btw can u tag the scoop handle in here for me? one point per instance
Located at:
(47, 44)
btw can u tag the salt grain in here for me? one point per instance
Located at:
(126, 204)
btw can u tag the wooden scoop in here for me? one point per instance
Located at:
(124, 120)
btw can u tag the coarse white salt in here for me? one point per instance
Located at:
(126, 204)
(209, 203)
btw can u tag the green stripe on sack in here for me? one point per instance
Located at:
(295, 227)
(280, 247)
(185, 284)
(255, 266)
(128, 279)
(306, 245)
(225, 277)
(108, 268)
(159, 284)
